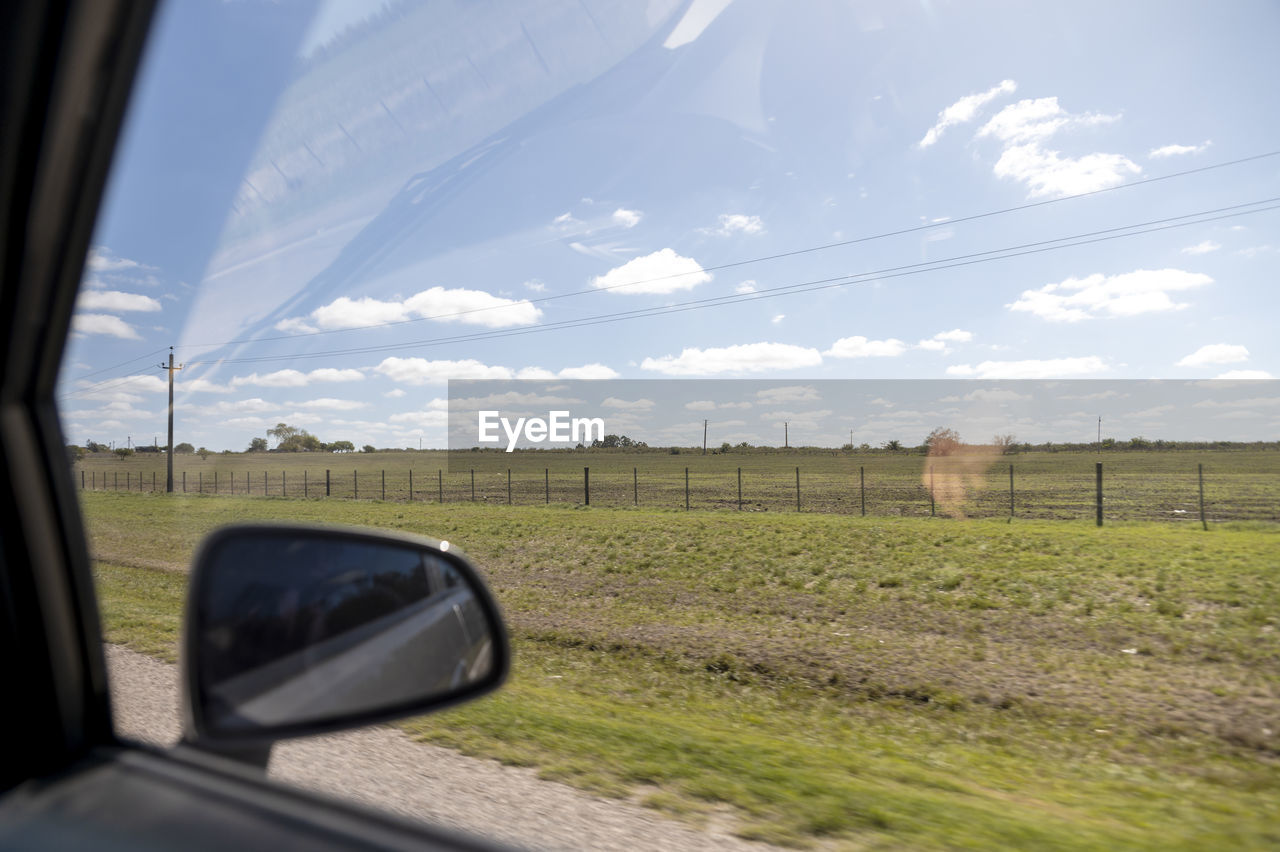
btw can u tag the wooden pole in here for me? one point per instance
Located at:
(797, 489)
(1200, 472)
(932, 508)
(1099, 499)
(862, 488)
(508, 486)
(1011, 491)
(739, 489)
(586, 486)
(686, 489)
(635, 486)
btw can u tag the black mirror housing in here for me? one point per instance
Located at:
(294, 629)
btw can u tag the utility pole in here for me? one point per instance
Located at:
(168, 482)
(704, 437)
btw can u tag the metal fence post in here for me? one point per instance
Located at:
(546, 485)
(410, 485)
(797, 489)
(1011, 491)
(739, 489)
(635, 486)
(862, 488)
(586, 486)
(384, 484)
(327, 491)
(473, 485)
(508, 486)
(440, 483)
(355, 484)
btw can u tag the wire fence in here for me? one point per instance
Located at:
(1189, 492)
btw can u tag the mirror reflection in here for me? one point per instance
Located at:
(296, 628)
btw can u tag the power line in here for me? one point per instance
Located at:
(779, 256)
(121, 364)
(1118, 232)
(953, 262)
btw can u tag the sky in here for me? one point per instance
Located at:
(329, 212)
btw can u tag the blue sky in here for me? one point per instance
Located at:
(321, 211)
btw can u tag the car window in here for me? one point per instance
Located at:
(866, 414)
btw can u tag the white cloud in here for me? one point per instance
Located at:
(663, 271)
(965, 110)
(1177, 150)
(861, 347)
(296, 378)
(535, 285)
(628, 404)
(1048, 174)
(938, 343)
(394, 393)
(1215, 353)
(740, 358)
(748, 286)
(201, 386)
(535, 374)
(431, 418)
(296, 325)
(588, 371)
(334, 374)
(1024, 126)
(278, 379)
(102, 259)
(789, 393)
(420, 371)
(103, 324)
(738, 223)
(778, 318)
(254, 405)
(1050, 368)
(473, 307)
(709, 405)
(1129, 294)
(993, 395)
(329, 404)
(1033, 120)
(1247, 375)
(1202, 247)
(585, 372)
(114, 300)
(627, 218)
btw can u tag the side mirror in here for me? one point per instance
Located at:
(294, 630)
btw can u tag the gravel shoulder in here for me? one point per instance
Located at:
(383, 768)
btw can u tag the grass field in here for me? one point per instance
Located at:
(1239, 485)
(879, 682)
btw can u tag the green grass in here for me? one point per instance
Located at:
(1239, 485)
(881, 682)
